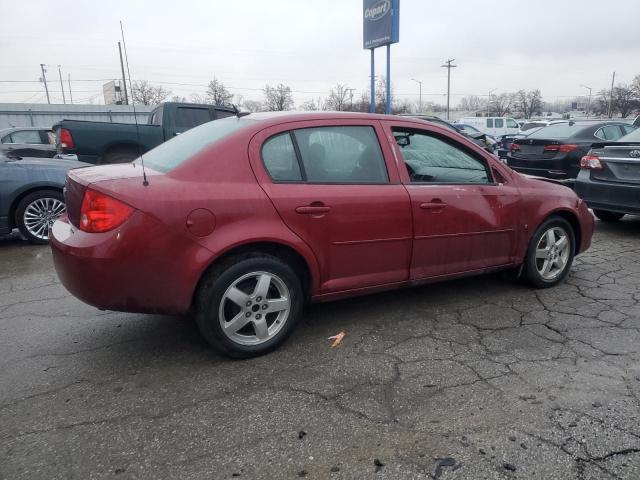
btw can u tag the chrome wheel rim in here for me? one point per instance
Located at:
(552, 253)
(40, 214)
(254, 308)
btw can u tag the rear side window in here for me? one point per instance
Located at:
(189, 117)
(499, 123)
(430, 159)
(610, 132)
(489, 122)
(26, 136)
(627, 129)
(634, 136)
(349, 154)
(280, 160)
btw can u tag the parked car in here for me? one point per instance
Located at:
(494, 126)
(106, 142)
(529, 126)
(476, 136)
(242, 220)
(609, 180)
(27, 142)
(555, 151)
(31, 194)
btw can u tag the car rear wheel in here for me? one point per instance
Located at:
(36, 213)
(550, 253)
(607, 216)
(249, 305)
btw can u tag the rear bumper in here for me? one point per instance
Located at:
(142, 266)
(4, 225)
(587, 227)
(559, 168)
(612, 197)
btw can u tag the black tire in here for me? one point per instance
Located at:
(211, 293)
(531, 263)
(22, 206)
(119, 155)
(607, 216)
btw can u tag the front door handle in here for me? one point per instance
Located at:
(313, 209)
(434, 204)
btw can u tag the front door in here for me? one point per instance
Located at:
(334, 186)
(464, 220)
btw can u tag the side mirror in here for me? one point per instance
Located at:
(403, 140)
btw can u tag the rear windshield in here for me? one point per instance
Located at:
(631, 137)
(557, 132)
(529, 126)
(172, 153)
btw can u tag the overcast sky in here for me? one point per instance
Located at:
(310, 45)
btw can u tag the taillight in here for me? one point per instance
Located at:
(66, 140)
(551, 148)
(568, 147)
(514, 147)
(101, 213)
(591, 162)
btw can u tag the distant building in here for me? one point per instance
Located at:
(113, 93)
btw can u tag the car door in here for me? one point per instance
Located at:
(334, 185)
(464, 211)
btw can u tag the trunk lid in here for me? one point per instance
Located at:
(80, 179)
(621, 163)
(534, 148)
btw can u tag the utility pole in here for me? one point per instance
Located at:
(448, 66)
(419, 101)
(350, 90)
(64, 100)
(124, 82)
(70, 94)
(489, 100)
(589, 102)
(43, 79)
(613, 79)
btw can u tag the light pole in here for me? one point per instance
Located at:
(420, 101)
(589, 102)
(489, 99)
(43, 79)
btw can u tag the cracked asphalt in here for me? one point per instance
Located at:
(480, 378)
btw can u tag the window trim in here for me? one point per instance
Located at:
(451, 142)
(303, 172)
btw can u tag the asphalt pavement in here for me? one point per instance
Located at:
(480, 378)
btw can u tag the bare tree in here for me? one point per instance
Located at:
(316, 104)
(339, 97)
(501, 104)
(625, 100)
(381, 95)
(217, 93)
(472, 103)
(198, 98)
(179, 99)
(252, 105)
(146, 94)
(529, 102)
(278, 98)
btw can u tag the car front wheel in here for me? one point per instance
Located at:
(249, 305)
(607, 216)
(550, 253)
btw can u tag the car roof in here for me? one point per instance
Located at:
(295, 116)
(13, 129)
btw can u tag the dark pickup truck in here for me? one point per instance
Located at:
(105, 142)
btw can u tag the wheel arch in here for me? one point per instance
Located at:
(570, 217)
(114, 147)
(278, 249)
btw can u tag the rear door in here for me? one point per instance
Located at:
(334, 185)
(464, 217)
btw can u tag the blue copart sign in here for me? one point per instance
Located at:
(381, 19)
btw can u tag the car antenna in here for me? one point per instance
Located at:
(237, 111)
(145, 182)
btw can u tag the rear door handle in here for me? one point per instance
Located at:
(313, 209)
(435, 204)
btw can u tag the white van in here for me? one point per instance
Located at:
(494, 126)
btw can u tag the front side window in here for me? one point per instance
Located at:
(499, 123)
(344, 154)
(511, 123)
(430, 159)
(489, 122)
(280, 160)
(26, 136)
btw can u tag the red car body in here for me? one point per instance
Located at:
(344, 240)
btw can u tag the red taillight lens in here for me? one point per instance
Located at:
(66, 140)
(568, 147)
(514, 147)
(551, 148)
(591, 162)
(101, 213)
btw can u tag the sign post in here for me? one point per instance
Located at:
(381, 27)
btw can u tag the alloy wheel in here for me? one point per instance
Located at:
(40, 214)
(552, 253)
(254, 308)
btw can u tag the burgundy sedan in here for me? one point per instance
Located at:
(244, 219)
